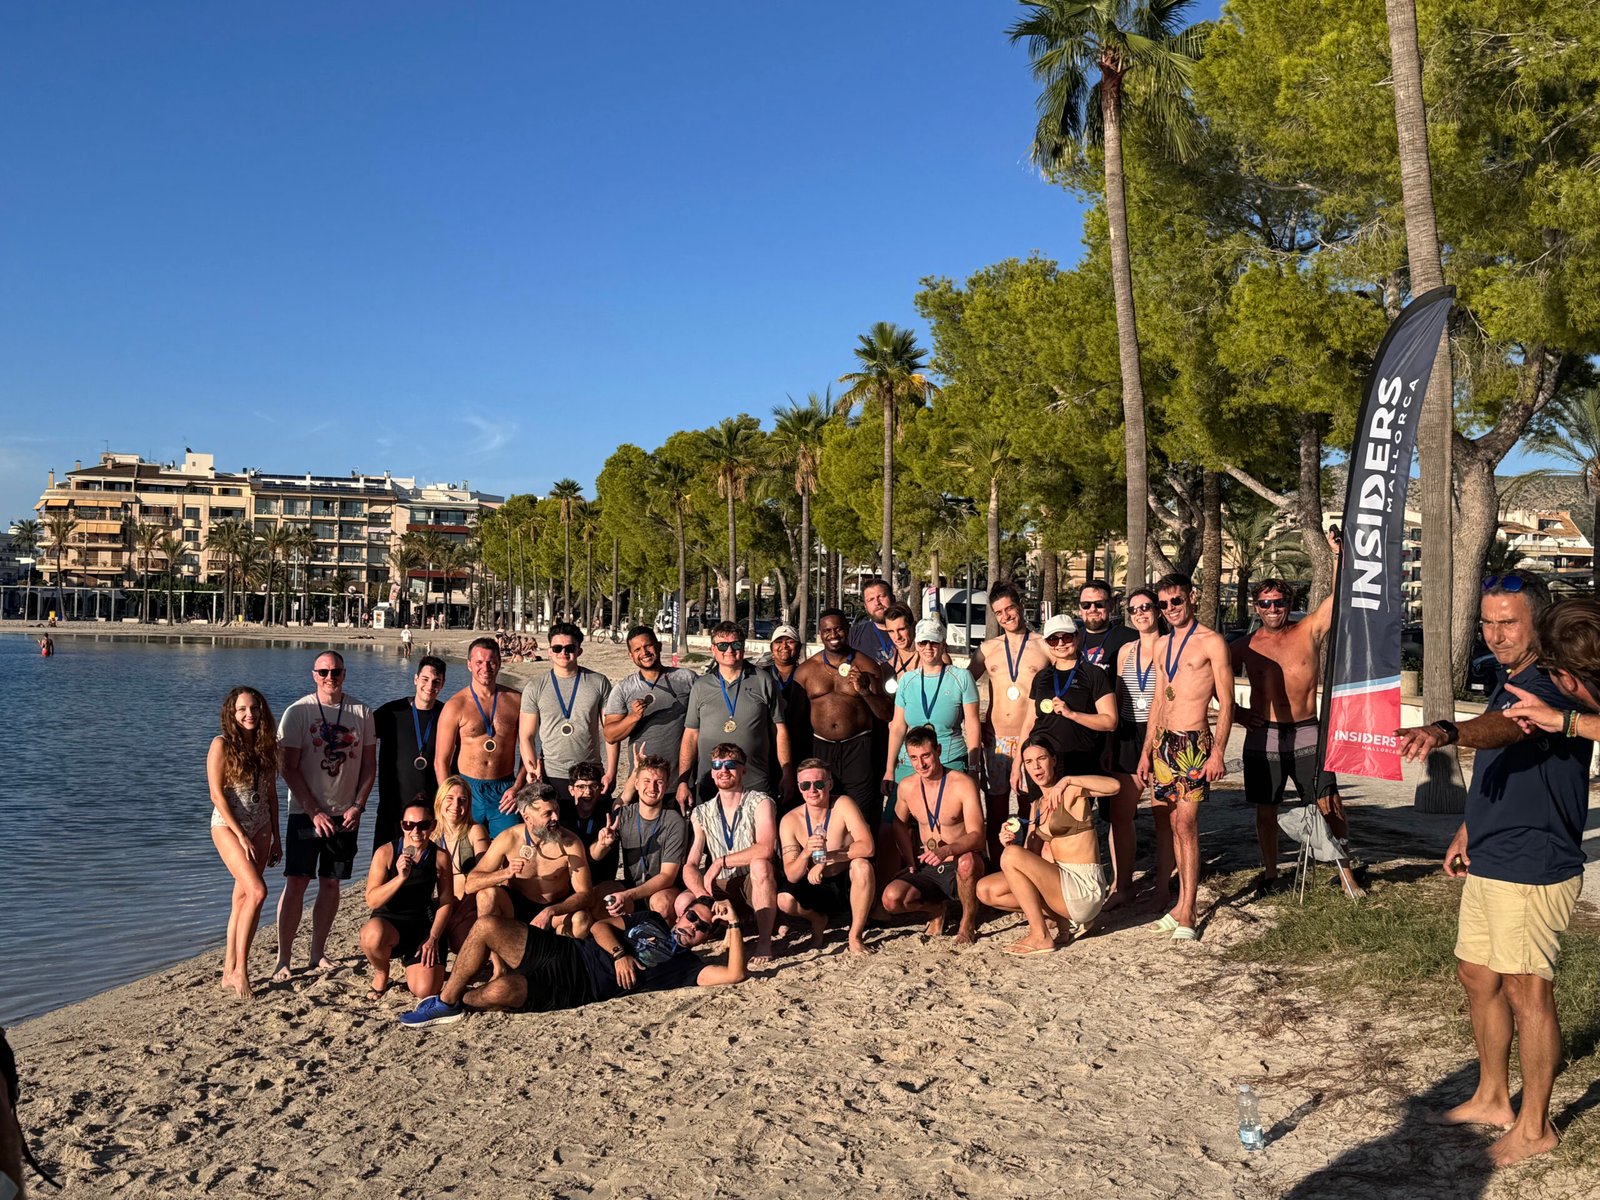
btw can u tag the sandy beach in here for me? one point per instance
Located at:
(925, 1070)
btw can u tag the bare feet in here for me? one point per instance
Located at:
(235, 982)
(1478, 1112)
(282, 974)
(966, 934)
(1116, 900)
(819, 932)
(763, 955)
(380, 985)
(324, 963)
(857, 946)
(1516, 1145)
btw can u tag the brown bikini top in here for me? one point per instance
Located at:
(1062, 822)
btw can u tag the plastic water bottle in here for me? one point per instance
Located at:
(1250, 1134)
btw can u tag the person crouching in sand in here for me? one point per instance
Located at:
(941, 808)
(827, 857)
(1073, 885)
(544, 972)
(537, 873)
(242, 773)
(411, 892)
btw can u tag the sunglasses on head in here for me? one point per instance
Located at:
(1141, 608)
(564, 648)
(725, 764)
(1180, 602)
(727, 647)
(1506, 583)
(1272, 604)
(413, 826)
(1091, 603)
(813, 785)
(328, 672)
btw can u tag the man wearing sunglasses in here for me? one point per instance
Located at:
(537, 873)
(478, 739)
(1282, 659)
(843, 692)
(1181, 754)
(1102, 635)
(827, 857)
(1521, 852)
(734, 702)
(329, 752)
(560, 723)
(735, 836)
(639, 952)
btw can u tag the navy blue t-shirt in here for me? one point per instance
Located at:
(649, 939)
(1528, 801)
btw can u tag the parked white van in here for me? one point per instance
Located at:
(965, 619)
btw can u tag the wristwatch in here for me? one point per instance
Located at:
(1452, 732)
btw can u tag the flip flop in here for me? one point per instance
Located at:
(1166, 924)
(1022, 951)
(1182, 933)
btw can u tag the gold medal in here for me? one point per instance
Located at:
(1013, 692)
(1046, 707)
(730, 726)
(844, 670)
(1171, 695)
(933, 845)
(488, 745)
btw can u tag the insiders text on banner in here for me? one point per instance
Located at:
(1364, 667)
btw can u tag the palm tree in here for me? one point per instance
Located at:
(1068, 42)
(300, 545)
(147, 537)
(988, 454)
(566, 493)
(892, 366)
(404, 558)
(227, 539)
(455, 559)
(247, 568)
(26, 535)
(731, 448)
(588, 518)
(1573, 436)
(1255, 541)
(431, 550)
(797, 439)
(173, 549)
(59, 527)
(670, 483)
(339, 584)
(274, 546)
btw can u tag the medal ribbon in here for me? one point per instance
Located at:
(1141, 672)
(886, 650)
(1055, 682)
(416, 727)
(1014, 668)
(1193, 625)
(1097, 653)
(728, 830)
(812, 832)
(938, 803)
(494, 706)
(564, 704)
(327, 730)
(723, 684)
(828, 662)
(927, 708)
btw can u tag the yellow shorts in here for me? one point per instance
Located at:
(1515, 928)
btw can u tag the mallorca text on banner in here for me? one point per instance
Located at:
(1361, 706)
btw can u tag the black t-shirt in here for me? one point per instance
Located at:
(603, 870)
(399, 781)
(1080, 688)
(662, 965)
(1102, 648)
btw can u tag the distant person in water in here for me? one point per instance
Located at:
(242, 773)
(47, 647)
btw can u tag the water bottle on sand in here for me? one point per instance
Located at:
(1250, 1134)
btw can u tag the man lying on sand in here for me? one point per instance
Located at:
(544, 972)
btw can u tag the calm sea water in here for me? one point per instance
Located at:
(107, 870)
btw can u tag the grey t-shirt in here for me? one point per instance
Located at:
(757, 706)
(648, 844)
(586, 696)
(660, 730)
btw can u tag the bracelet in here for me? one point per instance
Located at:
(1569, 725)
(1452, 733)
(618, 954)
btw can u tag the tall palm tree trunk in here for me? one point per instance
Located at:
(680, 621)
(803, 584)
(886, 547)
(992, 626)
(1436, 425)
(730, 610)
(566, 569)
(1133, 434)
(616, 621)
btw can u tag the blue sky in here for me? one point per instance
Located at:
(479, 241)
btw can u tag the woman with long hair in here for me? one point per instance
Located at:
(242, 773)
(1136, 689)
(465, 843)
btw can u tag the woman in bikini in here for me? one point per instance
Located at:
(465, 843)
(242, 774)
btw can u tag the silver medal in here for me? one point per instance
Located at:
(1013, 692)
(565, 729)
(891, 685)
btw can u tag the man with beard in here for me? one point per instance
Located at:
(646, 709)
(477, 739)
(844, 693)
(1101, 636)
(868, 635)
(538, 871)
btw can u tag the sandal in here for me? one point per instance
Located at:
(1166, 924)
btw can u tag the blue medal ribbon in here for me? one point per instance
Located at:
(1055, 681)
(416, 727)
(1140, 671)
(938, 803)
(885, 644)
(494, 707)
(564, 704)
(723, 684)
(728, 830)
(927, 707)
(1015, 668)
(1193, 625)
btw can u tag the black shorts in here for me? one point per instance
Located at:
(1127, 747)
(523, 909)
(306, 853)
(855, 773)
(1279, 752)
(555, 972)
(412, 934)
(931, 880)
(830, 897)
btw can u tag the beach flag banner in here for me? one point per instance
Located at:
(1361, 702)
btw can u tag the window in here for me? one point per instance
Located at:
(323, 531)
(350, 554)
(265, 507)
(350, 533)
(322, 508)
(349, 508)
(296, 508)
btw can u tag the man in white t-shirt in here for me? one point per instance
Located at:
(329, 751)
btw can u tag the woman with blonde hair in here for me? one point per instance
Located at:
(242, 773)
(465, 843)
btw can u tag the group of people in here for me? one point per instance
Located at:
(872, 779)
(517, 647)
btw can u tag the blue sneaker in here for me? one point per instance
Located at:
(432, 1011)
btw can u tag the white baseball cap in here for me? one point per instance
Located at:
(929, 629)
(1060, 623)
(785, 631)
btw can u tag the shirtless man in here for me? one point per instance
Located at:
(537, 873)
(477, 739)
(827, 856)
(941, 807)
(1008, 662)
(899, 622)
(844, 692)
(1282, 660)
(1180, 753)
